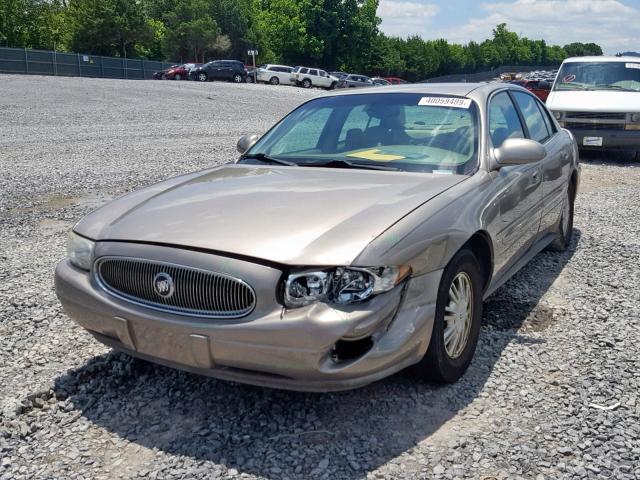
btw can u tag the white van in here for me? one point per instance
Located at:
(598, 100)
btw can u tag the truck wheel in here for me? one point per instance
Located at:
(456, 326)
(306, 83)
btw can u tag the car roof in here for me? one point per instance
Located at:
(602, 59)
(479, 92)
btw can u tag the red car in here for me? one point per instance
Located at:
(180, 72)
(539, 88)
(395, 80)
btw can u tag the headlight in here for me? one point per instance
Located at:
(558, 115)
(341, 285)
(634, 117)
(80, 251)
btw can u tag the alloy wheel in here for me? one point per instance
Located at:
(458, 315)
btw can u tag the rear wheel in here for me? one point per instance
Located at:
(457, 321)
(274, 81)
(306, 83)
(177, 77)
(565, 224)
(202, 77)
(237, 78)
(332, 86)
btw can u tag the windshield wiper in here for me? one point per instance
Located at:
(263, 157)
(615, 87)
(341, 163)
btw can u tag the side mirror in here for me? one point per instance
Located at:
(519, 151)
(246, 142)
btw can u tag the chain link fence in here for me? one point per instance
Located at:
(490, 74)
(47, 62)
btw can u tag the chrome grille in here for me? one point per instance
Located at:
(595, 126)
(196, 292)
(597, 115)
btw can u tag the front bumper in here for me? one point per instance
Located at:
(273, 346)
(611, 138)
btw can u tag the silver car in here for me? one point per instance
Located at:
(358, 237)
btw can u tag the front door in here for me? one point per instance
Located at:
(518, 189)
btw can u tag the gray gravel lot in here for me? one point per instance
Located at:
(552, 392)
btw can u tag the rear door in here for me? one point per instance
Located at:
(518, 187)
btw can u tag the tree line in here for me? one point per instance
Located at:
(333, 34)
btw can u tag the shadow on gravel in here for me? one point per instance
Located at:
(279, 434)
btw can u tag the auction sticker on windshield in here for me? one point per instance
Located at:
(455, 102)
(632, 65)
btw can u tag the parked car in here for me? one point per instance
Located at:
(338, 75)
(177, 73)
(230, 70)
(355, 81)
(307, 77)
(539, 88)
(274, 74)
(598, 100)
(159, 75)
(380, 82)
(357, 237)
(395, 80)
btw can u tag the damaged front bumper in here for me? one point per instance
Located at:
(318, 347)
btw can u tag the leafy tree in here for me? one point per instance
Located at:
(191, 31)
(577, 49)
(107, 27)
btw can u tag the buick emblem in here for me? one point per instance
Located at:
(163, 285)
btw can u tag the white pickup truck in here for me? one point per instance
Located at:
(598, 100)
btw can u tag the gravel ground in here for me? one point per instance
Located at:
(552, 392)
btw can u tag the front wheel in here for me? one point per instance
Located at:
(457, 320)
(177, 77)
(274, 81)
(237, 78)
(332, 86)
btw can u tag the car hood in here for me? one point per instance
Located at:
(288, 215)
(594, 101)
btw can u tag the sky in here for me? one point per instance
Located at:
(612, 24)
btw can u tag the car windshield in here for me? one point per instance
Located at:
(399, 131)
(623, 76)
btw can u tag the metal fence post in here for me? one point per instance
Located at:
(144, 72)
(55, 62)
(79, 67)
(124, 66)
(101, 67)
(26, 61)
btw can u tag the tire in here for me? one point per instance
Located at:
(177, 76)
(332, 86)
(237, 78)
(564, 233)
(446, 361)
(274, 81)
(306, 83)
(202, 77)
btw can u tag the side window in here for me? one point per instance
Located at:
(356, 123)
(547, 119)
(313, 72)
(532, 116)
(322, 73)
(504, 122)
(304, 70)
(305, 135)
